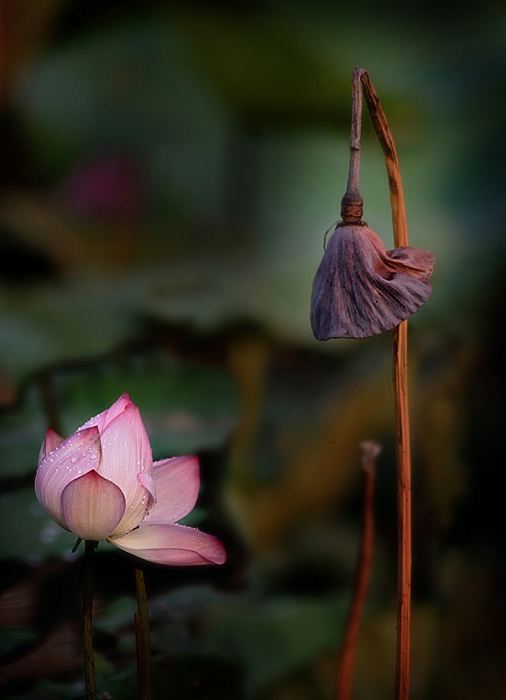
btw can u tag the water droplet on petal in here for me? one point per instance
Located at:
(74, 459)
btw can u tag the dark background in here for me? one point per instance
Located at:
(167, 175)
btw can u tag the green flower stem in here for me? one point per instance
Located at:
(89, 660)
(142, 639)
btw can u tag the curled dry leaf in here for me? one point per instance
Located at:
(360, 289)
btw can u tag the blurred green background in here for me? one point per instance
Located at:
(167, 174)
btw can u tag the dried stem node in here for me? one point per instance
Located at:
(352, 210)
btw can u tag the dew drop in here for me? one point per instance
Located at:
(79, 471)
(74, 459)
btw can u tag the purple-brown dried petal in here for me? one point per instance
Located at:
(360, 289)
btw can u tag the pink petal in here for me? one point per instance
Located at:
(103, 419)
(147, 481)
(125, 453)
(176, 545)
(76, 455)
(92, 506)
(177, 487)
(50, 443)
(117, 408)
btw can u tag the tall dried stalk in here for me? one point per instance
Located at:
(400, 374)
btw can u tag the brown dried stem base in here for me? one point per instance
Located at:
(400, 364)
(370, 451)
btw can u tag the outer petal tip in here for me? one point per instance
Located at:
(50, 443)
(102, 420)
(174, 545)
(119, 406)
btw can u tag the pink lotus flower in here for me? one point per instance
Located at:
(101, 483)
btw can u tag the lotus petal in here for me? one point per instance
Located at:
(177, 487)
(176, 545)
(360, 290)
(50, 443)
(75, 456)
(92, 506)
(126, 452)
(103, 419)
(148, 482)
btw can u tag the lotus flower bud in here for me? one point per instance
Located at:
(101, 483)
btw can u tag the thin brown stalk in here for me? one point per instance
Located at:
(370, 451)
(352, 203)
(89, 660)
(140, 650)
(142, 637)
(400, 364)
(356, 129)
